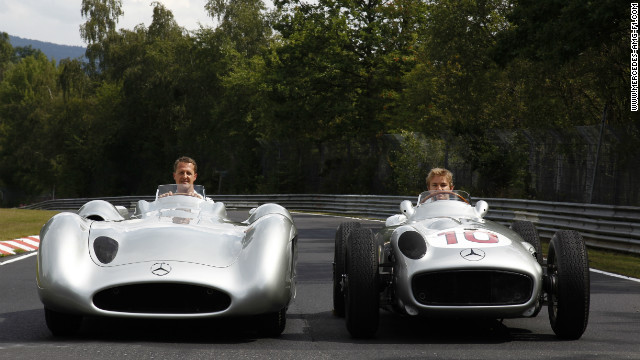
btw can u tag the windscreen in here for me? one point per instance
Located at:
(180, 189)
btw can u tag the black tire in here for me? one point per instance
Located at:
(340, 248)
(529, 233)
(61, 324)
(568, 290)
(362, 295)
(272, 324)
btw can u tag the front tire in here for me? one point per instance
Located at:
(61, 324)
(362, 295)
(340, 248)
(272, 324)
(569, 289)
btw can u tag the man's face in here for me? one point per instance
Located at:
(439, 183)
(185, 173)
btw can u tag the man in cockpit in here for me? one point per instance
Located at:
(185, 170)
(439, 179)
(184, 173)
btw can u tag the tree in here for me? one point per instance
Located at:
(102, 18)
(557, 31)
(243, 24)
(28, 96)
(73, 80)
(6, 52)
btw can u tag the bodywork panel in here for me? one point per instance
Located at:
(176, 257)
(471, 266)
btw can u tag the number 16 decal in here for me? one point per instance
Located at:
(476, 236)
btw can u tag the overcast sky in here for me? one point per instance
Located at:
(58, 21)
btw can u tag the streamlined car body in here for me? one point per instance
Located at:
(176, 257)
(442, 258)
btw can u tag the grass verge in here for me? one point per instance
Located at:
(16, 223)
(610, 261)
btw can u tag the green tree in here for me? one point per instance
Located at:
(6, 52)
(102, 18)
(334, 76)
(582, 45)
(28, 96)
(243, 23)
(73, 80)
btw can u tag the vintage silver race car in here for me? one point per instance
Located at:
(176, 257)
(442, 258)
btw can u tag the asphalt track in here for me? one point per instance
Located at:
(312, 331)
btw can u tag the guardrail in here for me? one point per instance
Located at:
(602, 226)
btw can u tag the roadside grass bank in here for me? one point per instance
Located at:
(610, 261)
(17, 223)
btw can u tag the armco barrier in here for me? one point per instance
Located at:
(602, 226)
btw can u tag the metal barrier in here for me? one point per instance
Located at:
(602, 226)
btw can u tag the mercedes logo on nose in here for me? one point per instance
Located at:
(160, 269)
(472, 254)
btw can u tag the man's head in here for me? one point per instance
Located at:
(185, 170)
(440, 179)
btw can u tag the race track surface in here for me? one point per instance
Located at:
(312, 331)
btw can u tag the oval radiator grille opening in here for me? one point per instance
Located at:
(162, 298)
(472, 287)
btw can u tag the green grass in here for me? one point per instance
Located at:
(16, 223)
(610, 261)
(615, 262)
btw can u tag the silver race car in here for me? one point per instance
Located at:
(176, 257)
(442, 258)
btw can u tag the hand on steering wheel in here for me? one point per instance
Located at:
(442, 192)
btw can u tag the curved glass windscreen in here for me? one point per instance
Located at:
(444, 195)
(180, 189)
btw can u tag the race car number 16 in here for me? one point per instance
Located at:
(476, 236)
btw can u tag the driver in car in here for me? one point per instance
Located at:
(440, 179)
(184, 173)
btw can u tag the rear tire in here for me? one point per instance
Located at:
(340, 248)
(569, 289)
(62, 324)
(362, 295)
(529, 233)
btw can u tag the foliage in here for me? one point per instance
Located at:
(312, 97)
(413, 159)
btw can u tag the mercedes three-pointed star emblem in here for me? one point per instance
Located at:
(472, 254)
(160, 269)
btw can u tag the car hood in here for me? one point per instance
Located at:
(448, 232)
(216, 242)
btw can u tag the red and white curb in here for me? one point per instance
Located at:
(25, 244)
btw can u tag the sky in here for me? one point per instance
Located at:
(58, 21)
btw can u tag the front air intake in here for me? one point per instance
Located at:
(472, 288)
(412, 245)
(162, 298)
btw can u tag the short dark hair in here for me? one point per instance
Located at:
(185, 159)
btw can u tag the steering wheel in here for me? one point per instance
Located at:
(444, 192)
(193, 194)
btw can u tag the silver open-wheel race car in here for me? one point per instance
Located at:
(441, 258)
(178, 257)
